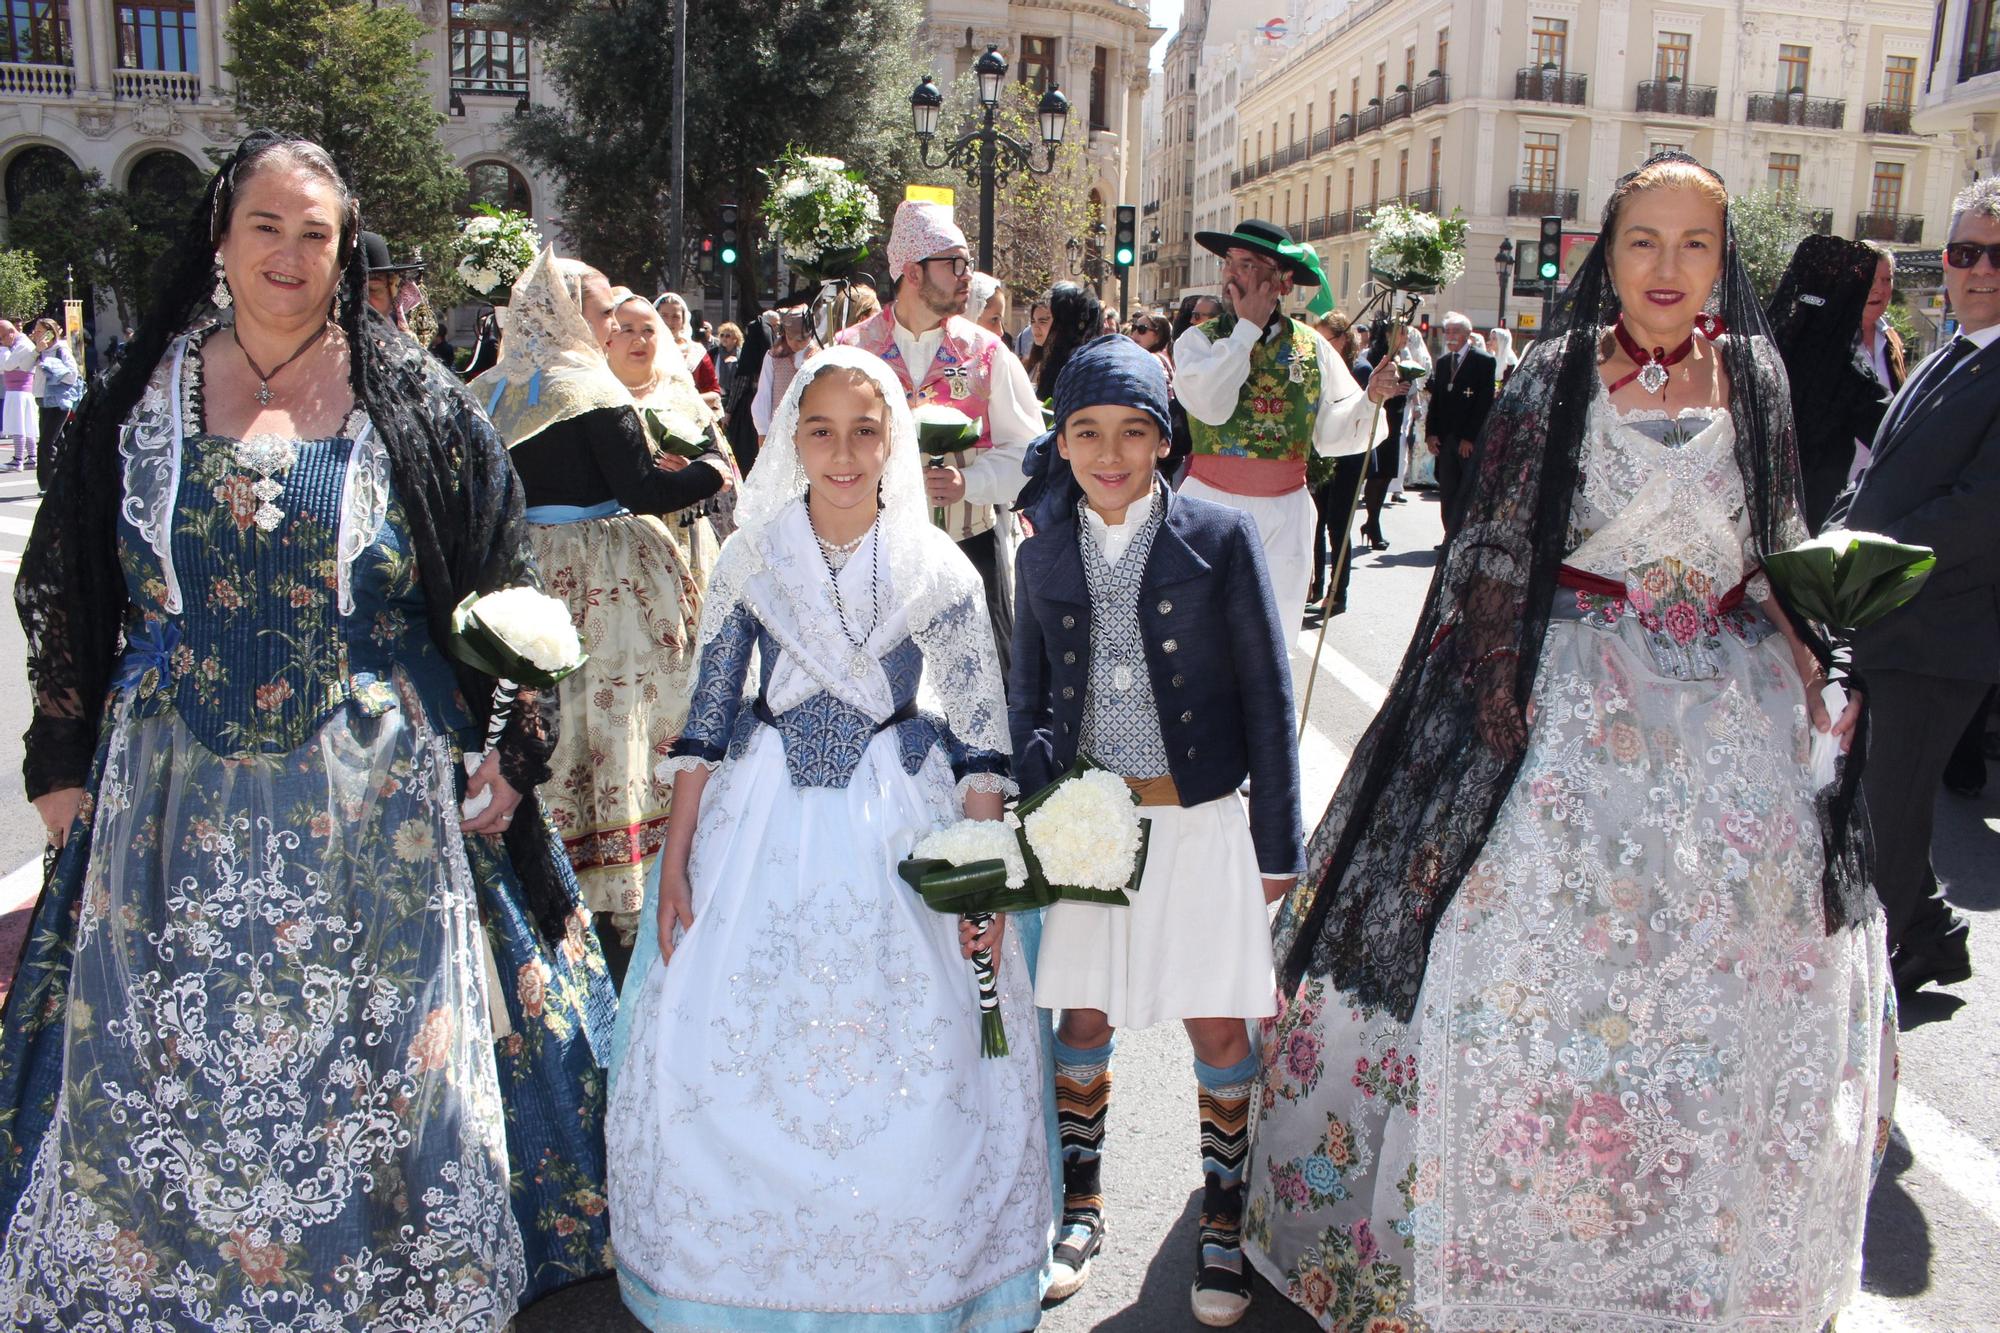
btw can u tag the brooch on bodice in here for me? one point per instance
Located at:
(267, 456)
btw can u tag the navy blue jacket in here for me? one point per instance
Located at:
(1221, 675)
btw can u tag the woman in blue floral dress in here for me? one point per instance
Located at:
(293, 1045)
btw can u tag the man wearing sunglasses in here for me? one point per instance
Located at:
(942, 357)
(1933, 479)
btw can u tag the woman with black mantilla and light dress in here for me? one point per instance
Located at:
(1586, 1012)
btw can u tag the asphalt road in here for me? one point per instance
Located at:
(1934, 1210)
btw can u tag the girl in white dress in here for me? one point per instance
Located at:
(802, 1129)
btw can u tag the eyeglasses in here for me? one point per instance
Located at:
(959, 266)
(1965, 254)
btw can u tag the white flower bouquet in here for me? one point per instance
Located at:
(1079, 839)
(1415, 251)
(941, 432)
(1846, 581)
(519, 637)
(820, 212)
(495, 246)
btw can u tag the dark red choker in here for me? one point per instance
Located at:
(1651, 367)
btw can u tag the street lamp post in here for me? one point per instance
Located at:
(1503, 264)
(986, 154)
(1082, 262)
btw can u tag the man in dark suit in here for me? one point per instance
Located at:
(1933, 479)
(1461, 396)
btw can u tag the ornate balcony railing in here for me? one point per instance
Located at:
(130, 85)
(1813, 113)
(37, 80)
(1901, 228)
(1540, 84)
(1524, 202)
(1430, 199)
(464, 87)
(1886, 118)
(1236, 179)
(1369, 119)
(1322, 140)
(1671, 97)
(1339, 224)
(1397, 107)
(1343, 130)
(1316, 229)
(1434, 91)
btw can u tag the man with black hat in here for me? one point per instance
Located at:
(1261, 389)
(388, 282)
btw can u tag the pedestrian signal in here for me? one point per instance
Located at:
(1125, 236)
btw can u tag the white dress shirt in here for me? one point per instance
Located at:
(1013, 416)
(1113, 538)
(1209, 376)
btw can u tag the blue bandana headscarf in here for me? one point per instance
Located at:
(1108, 370)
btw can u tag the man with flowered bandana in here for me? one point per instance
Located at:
(1261, 389)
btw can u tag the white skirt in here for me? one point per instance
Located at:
(20, 416)
(1195, 943)
(800, 1122)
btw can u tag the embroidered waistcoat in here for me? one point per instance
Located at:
(1121, 722)
(1271, 429)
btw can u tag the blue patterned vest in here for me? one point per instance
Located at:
(1121, 722)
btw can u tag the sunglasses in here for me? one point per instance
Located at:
(1965, 254)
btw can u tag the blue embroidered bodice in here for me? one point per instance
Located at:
(260, 651)
(824, 736)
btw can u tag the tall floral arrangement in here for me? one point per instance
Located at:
(821, 213)
(1415, 251)
(495, 245)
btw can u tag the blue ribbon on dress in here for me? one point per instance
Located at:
(148, 650)
(553, 515)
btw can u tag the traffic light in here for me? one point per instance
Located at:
(728, 237)
(1548, 249)
(1125, 236)
(707, 255)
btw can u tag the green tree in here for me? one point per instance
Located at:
(833, 77)
(349, 75)
(23, 290)
(1769, 227)
(83, 233)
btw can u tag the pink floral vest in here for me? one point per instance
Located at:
(960, 376)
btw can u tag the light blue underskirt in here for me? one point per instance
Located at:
(1012, 1307)
(553, 515)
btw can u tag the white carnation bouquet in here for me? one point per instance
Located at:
(518, 636)
(495, 246)
(820, 212)
(1079, 839)
(1415, 251)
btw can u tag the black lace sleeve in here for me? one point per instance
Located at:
(69, 594)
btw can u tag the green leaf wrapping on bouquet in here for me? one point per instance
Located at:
(942, 431)
(976, 886)
(667, 438)
(1071, 893)
(476, 645)
(1849, 580)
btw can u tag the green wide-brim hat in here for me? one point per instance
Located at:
(1266, 238)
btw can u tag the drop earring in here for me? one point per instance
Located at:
(220, 297)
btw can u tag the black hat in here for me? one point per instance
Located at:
(1266, 238)
(375, 254)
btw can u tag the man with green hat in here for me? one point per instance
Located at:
(1261, 389)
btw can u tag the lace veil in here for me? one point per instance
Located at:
(1419, 797)
(772, 565)
(551, 367)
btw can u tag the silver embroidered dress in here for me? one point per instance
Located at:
(1644, 1088)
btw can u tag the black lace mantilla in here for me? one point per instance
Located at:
(1428, 778)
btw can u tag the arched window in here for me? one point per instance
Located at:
(162, 188)
(36, 169)
(497, 184)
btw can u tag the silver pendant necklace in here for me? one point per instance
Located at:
(264, 378)
(858, 661)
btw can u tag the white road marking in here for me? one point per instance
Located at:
(1967, 1167)
(16, 527)
(1341, 671)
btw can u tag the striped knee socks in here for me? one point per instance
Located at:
(1225, 1149)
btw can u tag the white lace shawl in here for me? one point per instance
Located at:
(772, 565)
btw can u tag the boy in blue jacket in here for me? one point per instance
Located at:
(1146, 636)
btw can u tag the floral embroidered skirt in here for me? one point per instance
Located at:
(1644, 1089)
(248, 1076)
(803, 1133)
(636, 604)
